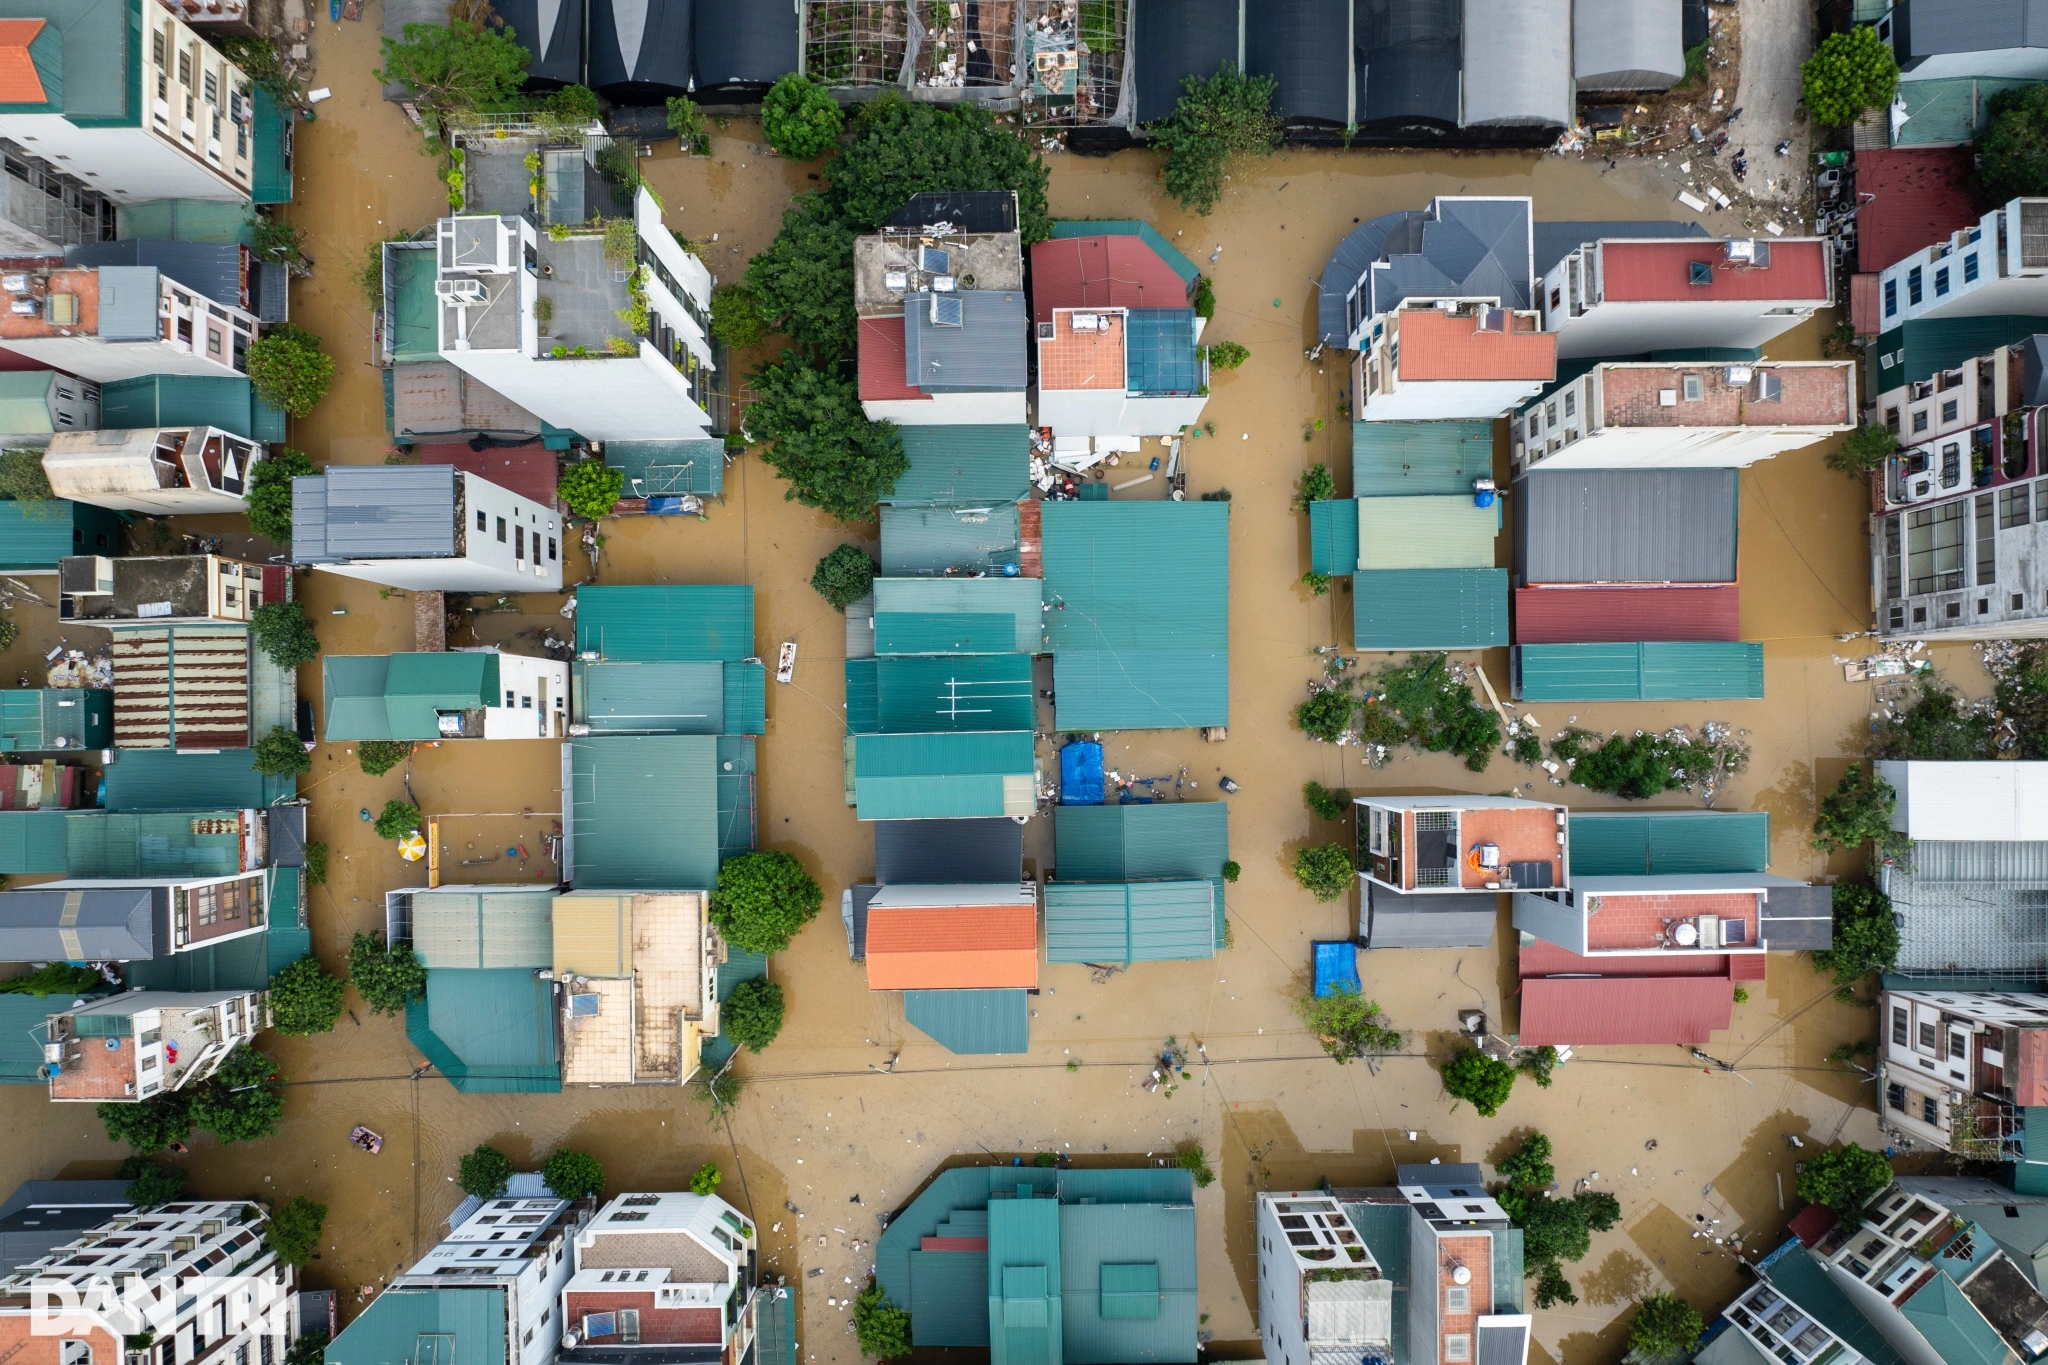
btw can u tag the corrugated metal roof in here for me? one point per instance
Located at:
(1159, 689)
(1394, 920)
(1333, 536)
(644, 812)
(1626, 526)
(1799, 1277)
(1160, 921)
(1682, 670)
(963, 466)
(904, 632)
(944, 776)
(1429, 609)
(35, 718)
(164, 779)
(971, 1023)
(863, 696)
(937, 851)
(860, 628)
(184, 400)
(1433, 532)
(1518, 63)
(270, 173)
(483, 929)
(1569, 615)
(1579, 1011)
(947, 1292)
(1155, 1316)
(129, 295)
(1173, 840)
(669, 466)
(651, 698)
(395, 1324)
(923, 695)
(1627, 843)
(986, 352)
(35, 535)
(1948, 113)
(103, 924)
(1026, 1324)
(32, 841)
(982, 938)
(1628, 44)
(211, 269)
(183, 687)
(931, 540)
(1988, 860)
(775, 1318)
(681, 623)
(1925, 347)
(1090, 265)
(957, 615)
(374, 512)
(99, 843)
(746, 698)
(1919, 196)
(1411, 459)
(432, 398)
(1951, 1324)
(488, 1032)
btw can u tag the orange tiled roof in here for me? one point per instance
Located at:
(970, 947)
(19, 83)
(1438, 345)
(1082, 360)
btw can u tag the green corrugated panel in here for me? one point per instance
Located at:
(1137, 575)
(909, 632)
(219, 221)
(1412, 459)
(644, 812)
(24, 1027)
(1919, 350)
(148, 844)
(270, 172)
(1333, 536)
(1947, 113)
(290, 939)
(1952, 1325)
(966, 466)
(485, 930)
(177, 400)
(1160, 921)
(746, 698)
(352, 687)
(25, 402)
(1384, 1230)
(971, 1023)
(1173, 840)
(775, 1325)
(948, 1295)
(1147, 689)
(689, 623)
(1430, 609)
(651, 698)
(1589, 672)
(36, 718)
(863, 696)
(929, 694)
(931, 540)
(1172, 921)
(1128, 1281)
(943, 776)
(420, 686)
(738, 817)
(267, 420)
(35, 535)
(1018, 599)
(32, 841)
(669, 467)
(425, 1327)
(1636, 843)
(488, 1032)
(1087, 922)
(164, 779)
(1447, 532)
(1026, 1324)
(21, 717)
(237, 964)
(1703, 670)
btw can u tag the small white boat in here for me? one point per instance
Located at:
(785, 663)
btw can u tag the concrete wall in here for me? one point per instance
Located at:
(535, 697)
(1564, 925)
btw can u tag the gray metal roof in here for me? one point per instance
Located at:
(1390, 919)
(1410, 66)
(1303, 45)
(752, 44)
(128, 299)
(1503, 1343)
(287, 835)
(1625, 526)
(856, 917)
(860, 628)
(1927, 28)
(1969, 926)
(984, 353)
(1457, 248)
(966, 851)
(1628, 44)
(81, 924)
(210, 268)
(1174, 39)
(374, 512)
(1799, 918)
(1554, 241)
(1518, 62)
(2036, 357)
(42, 1215)
(1989, 860)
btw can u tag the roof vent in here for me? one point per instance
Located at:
(947, 311)
(1742, 250)
(934, 260)
(1046, 331)
(1700, 273)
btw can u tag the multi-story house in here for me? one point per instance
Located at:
(111, 322)
(458, 694)
(1432, 868)
(1964, 567)
(1999, 266)
(227, 273)
(1455, 361)
(1119, 340)
(1956, 1067)
(429, 528)
(1644, 415)
(495, 1281)
(100, 843)
(1964, 424)
(1932, 40)
(661, 1278)
(131, 919)
(1624, 297)
(126, 1048)
(165, 471)
(37, 404)
(640, 985)
(190, 1280)
(1426, 1273)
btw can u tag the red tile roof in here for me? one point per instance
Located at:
(972, 947)
(1589, 615)
(1101, 272)
(528, 470)
(1648, 272)
(1745, 966)
(882, 363)
(1438, 345)
(1911, 197)
(19, 82)
(1582, 1010)
(1812, 1223)
(1082, 360)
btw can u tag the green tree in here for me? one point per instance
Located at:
(377, 757)
(1866, 936)
(22, 477)
(151, 1183)
(1191, 1158)
(1552, 1288)
(882, 1328)
(484, 1172)
(1665, 1328)
(1483, 1081)
(752, 1015)
(270, 492)
(1318, 484)
(316, 863)
(397, 819)
(802, 285)
(1936, 724)
(1228, 355)
(1858, 812)
(688, 123)
(590, 487)
(1640, 766)
(1231, 872)
(800, 118)
(243, 1100)
(388, 978)
(834, 458)
(1527, 1170)
(2012, 146)
(736, 317)
(573, 104)
(706, 1179)
(310, 1349)
(305, 998)
(900, 147)
(455, 68)
(293, 1231)
(151, 1125)
(1215, 120)
(287, 367)
(1845, 1179)
(1863, 451)
(1432, 712)
(1328, 802)
(1539, 1062)
(1347, 1024)
(283, 631)
(844, 576)
(763, 899)
(280, 753)
(1327, 714)
(572, 1175)
(54, 978)
(1324, 870)
(1849, 73)
(1556, 1230)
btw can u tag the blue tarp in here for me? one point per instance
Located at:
(1337, 968)
(1081, 774)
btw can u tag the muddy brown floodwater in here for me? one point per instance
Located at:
(818, 1126)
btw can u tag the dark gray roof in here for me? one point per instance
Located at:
(1411, 62)
(1174, 39)
(641, 49)
(1928, 28)
(1625, 526)
(42, 1215)
(948, 851)
(128, 303)
(1303, 45)
(399, 13)
(210, 268)
(552, 33)
(1457, 920)
(985, 353)
(1462, 248)
(1445, 1175)
(287, 835)
(745, 44)
(1518, 63)
(1555, 241)
(1503, 1343)
(270, 292)
(2036, 356)
(967, 210)
(81, 924)
(1799, 918)
(374, 512)
(856, 917)
(1628, 44)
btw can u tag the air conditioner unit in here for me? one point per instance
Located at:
(460, 291)
(1738, 375)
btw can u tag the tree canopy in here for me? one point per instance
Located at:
(1859, 812)
(763, 899)
(901, 147)
(1347, 1024)
(1485, 1082)
(280, 753)
(844, 576)
(1554, 1230)
(800, 118)
(287, 367)
(151, 1125)
(802, 284)
(2012, 146)
(1845, 1179)
(379, 756)
(573, 1175)
(284, 632)
(151, 1183)
(1324, 870)
(752, 1015)
(835, 459)
(305, 998)
(484, 1171)
(1863, 451)
(397, 819)
(882, 1328)
(1216, 120)
(1849, 73)
(455, 68)
(590, 487)
(1866, 936)
(243, 1100)
(1665, 1327)
(293, 1231)
(387, 978)
(270, 492)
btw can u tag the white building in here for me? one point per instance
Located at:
(148, 591)
(419, 697)
(943, 327)
(1455, 362)
(428, 528)
(1982, 802)
(1998, 266)
(113, 322)
(1641, 415)
(126, 1048)
(1956, 1067)
(37, 404)
(134, 919)
(1964, 38)
(1969, 567)
(1961, 425)
(165, 471)
(1121, 372)
(656, 1274)
(598, 336)
(1629, 297)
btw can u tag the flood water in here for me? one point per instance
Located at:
(818, 1127)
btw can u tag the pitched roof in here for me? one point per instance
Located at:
(1583, 1010)
(1566, 614)
(883, 375)
(927, 694)
(471, 1321)
(645, 812)
(483, 929)
(673, 622)
(985, 850)
(1429, 609)
(963, 466)
(1918, 196)
(979, 347)
(374, 512)
(972, 1023)
(944, 776)
(81, 924)
(1633, 272)
(19, 81)
(1447, 531)
(1968, 26)
(1626, 526)
(952, 937)
(1443, 346)
(1166, 840)
(400, 696)
(1517, 63)
(1156, 921)
(1654, 842)
(489, 1032)
(1627, 45)
(936, 540)
(1688, 670)
(708, 698)
(1101, 272)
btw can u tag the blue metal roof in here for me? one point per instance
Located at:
(926, 694)
(488, 1032)
(1160, 354)
(971, 1023)
(165, 779)
(653, 468)
(1333, 537)
(643, 812)
(399, 1322)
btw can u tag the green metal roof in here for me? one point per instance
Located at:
(1795, 1273)
(1128, 1282)
(928, 694)
(644, 812)
(236, 964)
(399, 696)
(1384, 1228)
(1159, 921)
(488, 1032)
(412, 324)
(746, 697)
(1629, 843)
(1447, 531)
(1333, 536)
(183, 400)
(425, 1327)
(944, 776)
(24, 1025)
(737, 811)
(2030, 1174)
(948, 1296)
(1948, 113)
(1695, 670)
(1953, 1326)
(931, 540)
(352, 687)
(164, 779)
(270, 178)
(33, 719)
(964, 466)
(683, 623)
(484, 929)
(958, 615)
(89, 59)
(98, 843)
(1170, 841)
(775, 1325)
(1165, 250)
(32, 841)
(971, 1023)
(1026, 1323)
(1412, 459)
(1914, 351)
(218, 221)
(669, 467)
(289, 936)
(650, 698)
(863, 696)
(35, 535)
(1429, 609)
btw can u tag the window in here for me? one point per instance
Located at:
(1941, 281)
(185, 67)
(1919, 421)
(1458, 1347)
(1899, 1025)
(551, 549)
(1930, 1111)
(1950, 410)
(1695, 388)
(1927, 1037)
(1913, 285)
(1970, 268)
(212, 341)
(1891, 418)
(212, 88)
(629, 1325)
(1895, 1096)
(481, 523)
(1550, 414)
(1934, 549)
(1571, 404)
(630, 1216)
(1535, 424)
(1457, 1299)
(519, 542)
(71, 1352)
(2013, 502)
(1956, 1045)
(1891, 297)
(501, 530)
(1987, 542)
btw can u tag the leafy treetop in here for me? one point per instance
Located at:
(287, 367)
(455, 68)
(844, 576)
(305, 998)
(1849, 73)
(2012, 146)
(270, 492)
(1216, 119)
(387, 978)
(573, 1175)
(1665, 1328)
(800, 118)
(1845, 1179)
(1482, 1080)
(901, 147)
(763, 899)
(1859, 812)
(484, 1172)
(835, 459)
